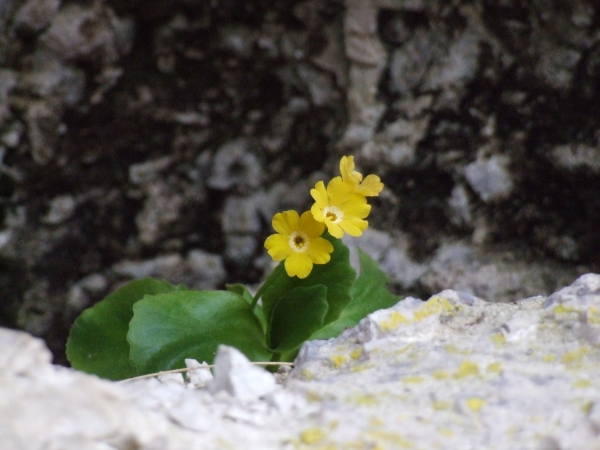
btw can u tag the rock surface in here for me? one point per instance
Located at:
(160, 137)
(453, 372)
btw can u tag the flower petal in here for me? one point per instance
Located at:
(286, 222)
(334, 229)
(278, 247)
(310, 226)
(317, 213)
(371, 186)
(319, 193)
(338, 191)
(298, 264)
(346, 167)
(356, 206)
(320, 250)
(354, 226)
(347, 171)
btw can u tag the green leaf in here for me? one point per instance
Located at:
(369, 293)
(295, 316)
(168, 328)
(240, 290)
(243, 291)
(337, 276)
(97, 342)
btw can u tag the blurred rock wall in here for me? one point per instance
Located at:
(159, 137)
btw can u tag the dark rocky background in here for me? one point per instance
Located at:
(159, 137)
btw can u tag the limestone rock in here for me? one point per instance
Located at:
(237, 376)
(453, 372)
(47, 407)
(199, 375)
(458, 372)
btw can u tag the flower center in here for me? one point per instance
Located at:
(333, 213)
(299, 241)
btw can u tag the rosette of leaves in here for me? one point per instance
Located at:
(149, 326)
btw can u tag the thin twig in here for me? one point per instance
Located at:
(207, 366)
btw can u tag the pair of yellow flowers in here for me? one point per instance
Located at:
(342, 208)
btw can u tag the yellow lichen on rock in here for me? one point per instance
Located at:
(338, 361)
(441, 374)
(355, 354)
(550, 357)
(312, 435)
(467, 369)
(393, 322)
(593, 315)
(499, 339)
(306, 374)
(475, 403)
(450, 348)
(582, 384)
(575, 356)
(494, 367)
(446, 432)
(435, 305)
(413, 379)
(440, 405)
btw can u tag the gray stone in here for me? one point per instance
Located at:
(240, 249)
(35, 15)
(161, 209)
(495, 274)
(576, 156)
(397, 144)
(490, 178)
(319, 85)
(94, 283)
(413, 107)
(460, 206)
(331, 58)
(235, 166)
(237, 376)
(77, 299)
(365, 49)
(367, 57)
(96, 31)
(557, 65)
(207, 267)
(42, 131)
(238, 39)
(8, 81)
(50, 78)
(391, 253)
(240, 214)
(61, 209)
(458, 66)
(161, 265)
(12, 136)
(148, 171)
(409, 63)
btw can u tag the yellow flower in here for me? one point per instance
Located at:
(298, 241)
(340, 208)
(369, 187)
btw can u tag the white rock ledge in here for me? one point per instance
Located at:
(455, 372)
